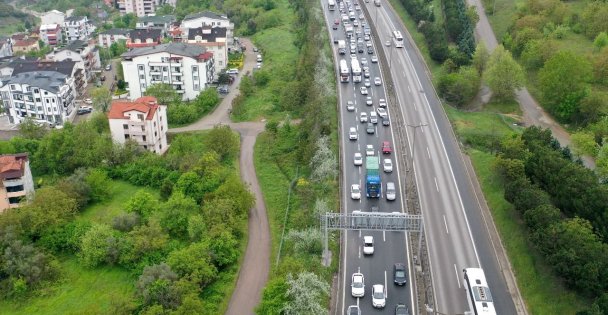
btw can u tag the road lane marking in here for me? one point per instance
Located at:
(457, 278)
(428, 152)
(359, 253)
(446, 224)
(385, 287)
(384, 236)
(436, 186)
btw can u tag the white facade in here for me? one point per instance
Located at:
(141, 7)
(17, 184)
(188, 68)
(51, 34)
(53, 17)
(142, 121)
(210, 19)
(77, 28)
(215, 41)
(87, 58)
(106, 39)
(44, 95)
(6, 47)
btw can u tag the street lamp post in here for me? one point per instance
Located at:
(414, 141)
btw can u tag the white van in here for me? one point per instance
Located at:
(259, 58)
(373, 117)
(390, 191)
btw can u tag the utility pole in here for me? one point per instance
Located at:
(414, 142)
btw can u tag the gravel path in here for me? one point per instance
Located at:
(255, 266)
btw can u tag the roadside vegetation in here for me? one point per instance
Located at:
(544, 279)
(180, 113)
(114, 229)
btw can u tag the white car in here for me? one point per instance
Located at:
(388, 42)
(358, 159)
(374, 59)
(88, 101)
(352, 133)
(382, 102)
(357, 285)
(350, 106)
(388, 165)
(378, 296)
(377, 81)
(369, 150)
(363, 117)
(366, 74)
(369, 101)
(363, 90)
(364, 61)
(367, 83)
(381, 112)
(368, 245)
(355, 191)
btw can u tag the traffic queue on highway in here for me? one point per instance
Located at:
(357, 61)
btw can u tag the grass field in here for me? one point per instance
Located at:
(80, 291)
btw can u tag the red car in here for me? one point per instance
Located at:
(386, 147)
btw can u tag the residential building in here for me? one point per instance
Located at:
(162, 22)
(144, 38)
(6, 47)
(188, 68)
(214, 40)
(111, 36)
(17, 181)
(53, 17)
(41, 95)
(143, 121)
(25, 45)
(51, 34)
(141, 7)
(68, 67)
(210, 19)
(85, 54)
(77, 28)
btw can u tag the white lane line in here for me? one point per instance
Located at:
(428, 152)
(408, 88)
(384, 236)
(386, 287)
(436, 186)
(457, 278)
(446, 224)
(359, 251)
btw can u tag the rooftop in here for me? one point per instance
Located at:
(76, 45)
(142, 35)
(25, 42)
(21, 66)
(47, 80)
(207, 33)
(207, 14)
(12, 165)
(180, 49)
(145, 105)
(157, 19)
(75, 18)
(116, 31)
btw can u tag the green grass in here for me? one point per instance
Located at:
(104, 212)
(541, 290)
(81, 291)
(503, 16)
(10, 25)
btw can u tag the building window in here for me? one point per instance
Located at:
(125, 126)
(141, 76)
(38, 100)
(140, 67)
(145, 147)
(140, 116)
(46, 93)
(13, 87)
(14, 200)
(143, 138)
(196, 87)
(14, 188)
(155, 134)
(127, 137)
(36, 91)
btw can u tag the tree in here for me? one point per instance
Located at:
(126, 222)
(29, 129)
(480, 58)
(142, 203)
(155, 286)
(601, 40)
(49, 208)
(223, 246)
(164, 93)
(146, 239)
(94, 247)
(76, 187)
(307, 242)
(190, 184)
(101, 98)
(274, 298)
(324, 163)
(593, 18)
(24, 261)
(504, 75)
(224, 141)
(459, 87)
(194, 261)
(584, 143)
(175, 213)
(118, 48)
(305, 294)
(99, 184)
(563, 82)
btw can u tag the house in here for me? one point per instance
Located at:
(25, 45)
(111, 36)
(51, 34)
(6, 47)
(77, 28)
(141, 7)
(144, 38)
(162, 22)
(214, 40)
(53, 17)
(210, 19)
(188, 68)
(42, 95)
(17, 181)
(85, 54)
(143, 121)
(68, 67)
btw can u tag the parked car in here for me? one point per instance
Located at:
(223, 89)
(232, 71)
(109, 67)
(88, 101)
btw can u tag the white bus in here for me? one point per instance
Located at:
(398, 39)
(356, 69)
(344, 71)
(478, 293)
(331, 4)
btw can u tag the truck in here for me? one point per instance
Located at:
(373, 186)
(348, 28)
(341, 47)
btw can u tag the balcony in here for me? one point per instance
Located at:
(16, 194)
(135, 132)
(12, 182)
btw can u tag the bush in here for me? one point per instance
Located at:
(435, 40)
(460, 87)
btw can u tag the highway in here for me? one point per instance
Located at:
(456, 236)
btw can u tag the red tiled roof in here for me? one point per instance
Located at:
(146, 105)
(205, 56)
(12, 165)
(25, 42)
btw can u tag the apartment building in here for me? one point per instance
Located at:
(77, 28)
(51, 34)
(17, 181)
(141, 7)
(84, 53)
(214, 40)
(162, 22)
(41, 95)
(111, 36)
(25, 45)
(188, 68)
(143, 121)
(209, 19)
(68, 67)
(144, 38)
